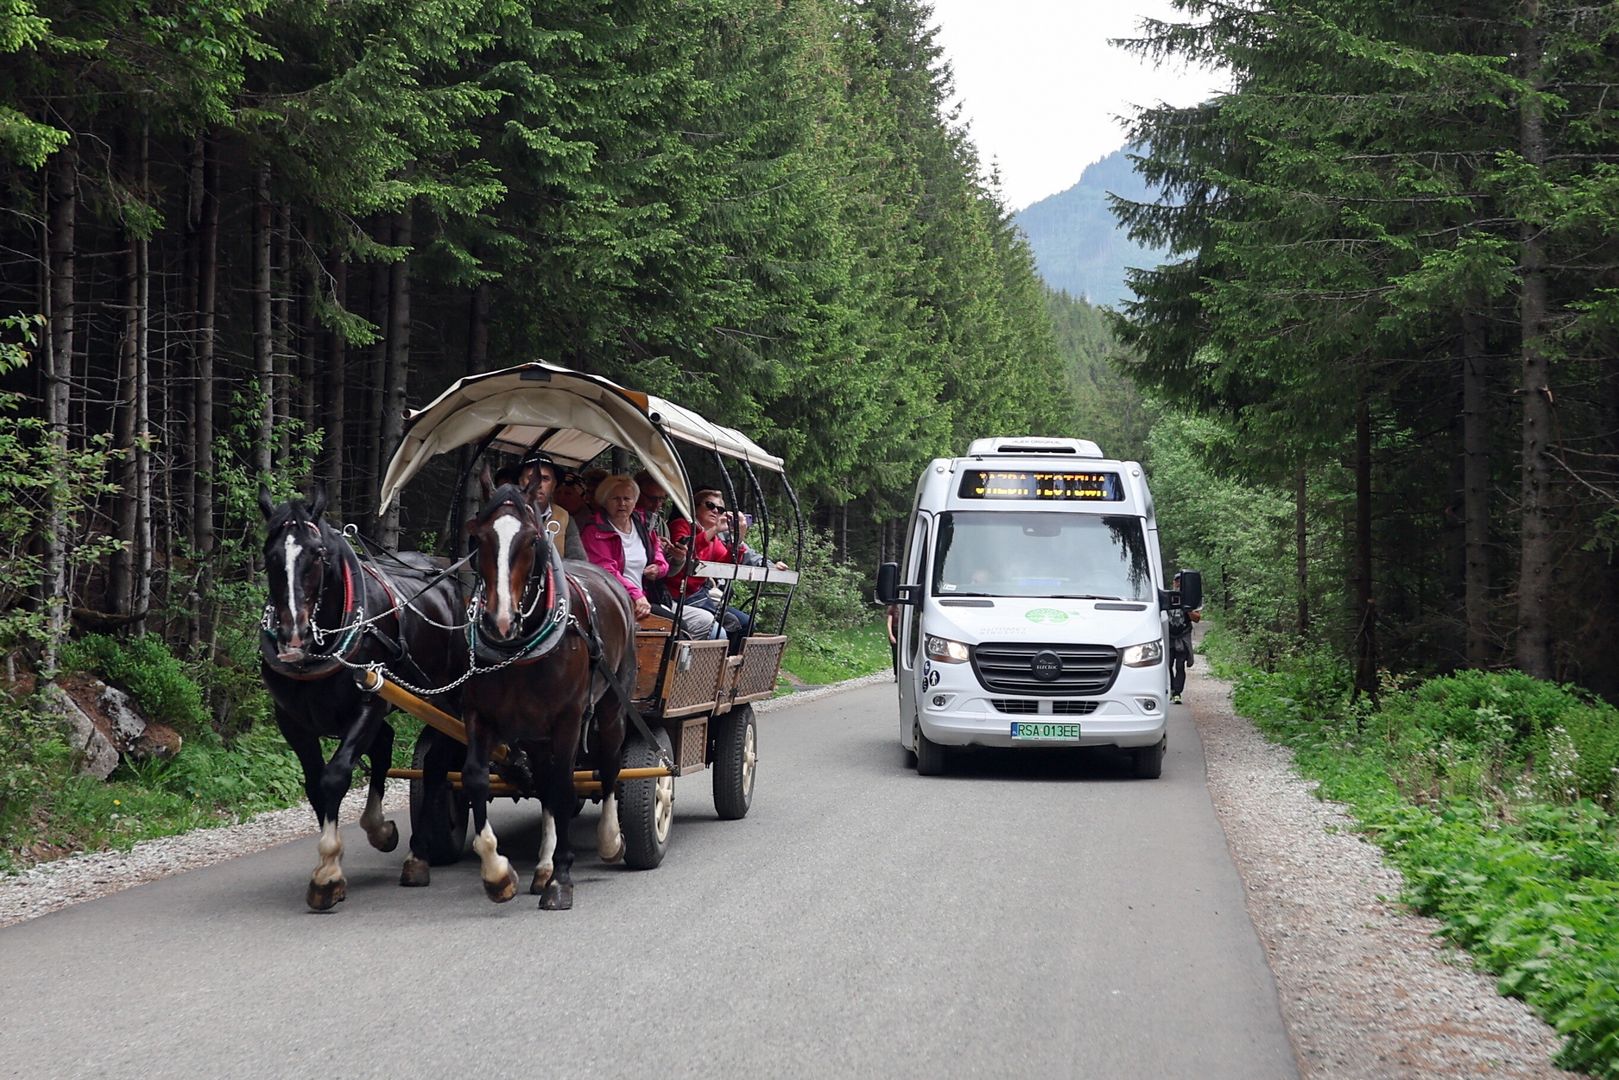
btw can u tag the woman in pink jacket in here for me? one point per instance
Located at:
(622, 545)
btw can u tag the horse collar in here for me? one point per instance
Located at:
(544, 638)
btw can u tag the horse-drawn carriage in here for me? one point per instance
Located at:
(562, 693)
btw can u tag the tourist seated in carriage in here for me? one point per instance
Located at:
(620, 543)
(543, 498)
(709, 538)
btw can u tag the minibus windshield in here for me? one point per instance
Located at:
(1038, 554)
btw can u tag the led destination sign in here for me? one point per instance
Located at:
(1029, 485)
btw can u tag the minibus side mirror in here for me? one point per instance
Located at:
(1191, 589)
(889, 590)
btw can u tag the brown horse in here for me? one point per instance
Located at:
(562, 636)
(328, 614)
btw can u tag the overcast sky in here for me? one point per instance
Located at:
(1041, 86)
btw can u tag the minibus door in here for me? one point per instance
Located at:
(911, 666)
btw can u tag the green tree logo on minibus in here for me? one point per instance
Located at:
(1046, 615)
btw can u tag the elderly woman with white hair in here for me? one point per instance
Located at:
(618, 541)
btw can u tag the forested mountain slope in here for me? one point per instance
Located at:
(1079, 246)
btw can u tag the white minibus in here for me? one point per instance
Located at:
(1033, 605)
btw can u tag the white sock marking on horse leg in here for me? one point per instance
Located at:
(548, 841)
(609, 837)
(331, 855)
(494, 866)
(506, 528)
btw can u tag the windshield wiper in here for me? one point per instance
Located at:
(1084, 596)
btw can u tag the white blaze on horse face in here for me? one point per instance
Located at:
(290, 548)
(507, 529)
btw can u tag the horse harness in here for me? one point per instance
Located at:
(353, 629)
(560, 619)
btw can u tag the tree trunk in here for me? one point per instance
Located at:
(394, 379)
(1476, 490)
(376, 371)
(60, 270)
(121, 590)
(477, 361)
(336, 388)
(144, 536)
(1301, 547)
(1365, 603)
(281, 362)
(263, 331)
(207, 294)
(1535, 610)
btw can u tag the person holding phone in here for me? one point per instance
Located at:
(706, 536)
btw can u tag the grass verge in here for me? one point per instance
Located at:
(831, 656)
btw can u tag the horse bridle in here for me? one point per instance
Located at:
(525, 648)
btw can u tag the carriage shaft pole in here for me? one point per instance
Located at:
(583, 776)
(426, 712)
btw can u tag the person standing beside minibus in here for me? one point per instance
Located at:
(1181, 655)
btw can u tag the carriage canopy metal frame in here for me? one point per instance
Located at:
(571, 415)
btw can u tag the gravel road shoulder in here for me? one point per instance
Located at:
(1368, 990)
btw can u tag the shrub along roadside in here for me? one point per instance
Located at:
(1492, 793)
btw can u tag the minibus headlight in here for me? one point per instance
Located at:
(1146, 654)
(946, 651)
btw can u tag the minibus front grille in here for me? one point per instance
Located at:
(1007, 667)
(1022, 706)
(1074, 708)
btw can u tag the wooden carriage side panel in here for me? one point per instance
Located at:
(760, 668)
(691, 744)
(692, 682)
(649, 645)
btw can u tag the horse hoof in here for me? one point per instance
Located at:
(502, 890)
(542, 876)
(327, 896)
(414, 872)
(558, 896)
(385, 838)
(615, 856)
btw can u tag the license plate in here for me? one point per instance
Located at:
(1025, 730)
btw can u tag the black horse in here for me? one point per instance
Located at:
(329, 614)
(562, 636)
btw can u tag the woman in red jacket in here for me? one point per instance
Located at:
(708, 544)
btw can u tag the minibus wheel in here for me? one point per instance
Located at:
(930, 756)
(1148, 761)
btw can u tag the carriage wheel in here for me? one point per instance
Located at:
(735, 757)
(443, 812)
(646, 808)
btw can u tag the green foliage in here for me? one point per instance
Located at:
(832, 595)
(149, 673)
(37, 473)
(816, 659)
(37, 760)
(1490, 818)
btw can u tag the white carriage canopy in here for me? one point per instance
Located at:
(571, 415)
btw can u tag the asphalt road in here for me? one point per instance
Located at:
(1025, 916)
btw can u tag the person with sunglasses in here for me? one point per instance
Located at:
(706, 541)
